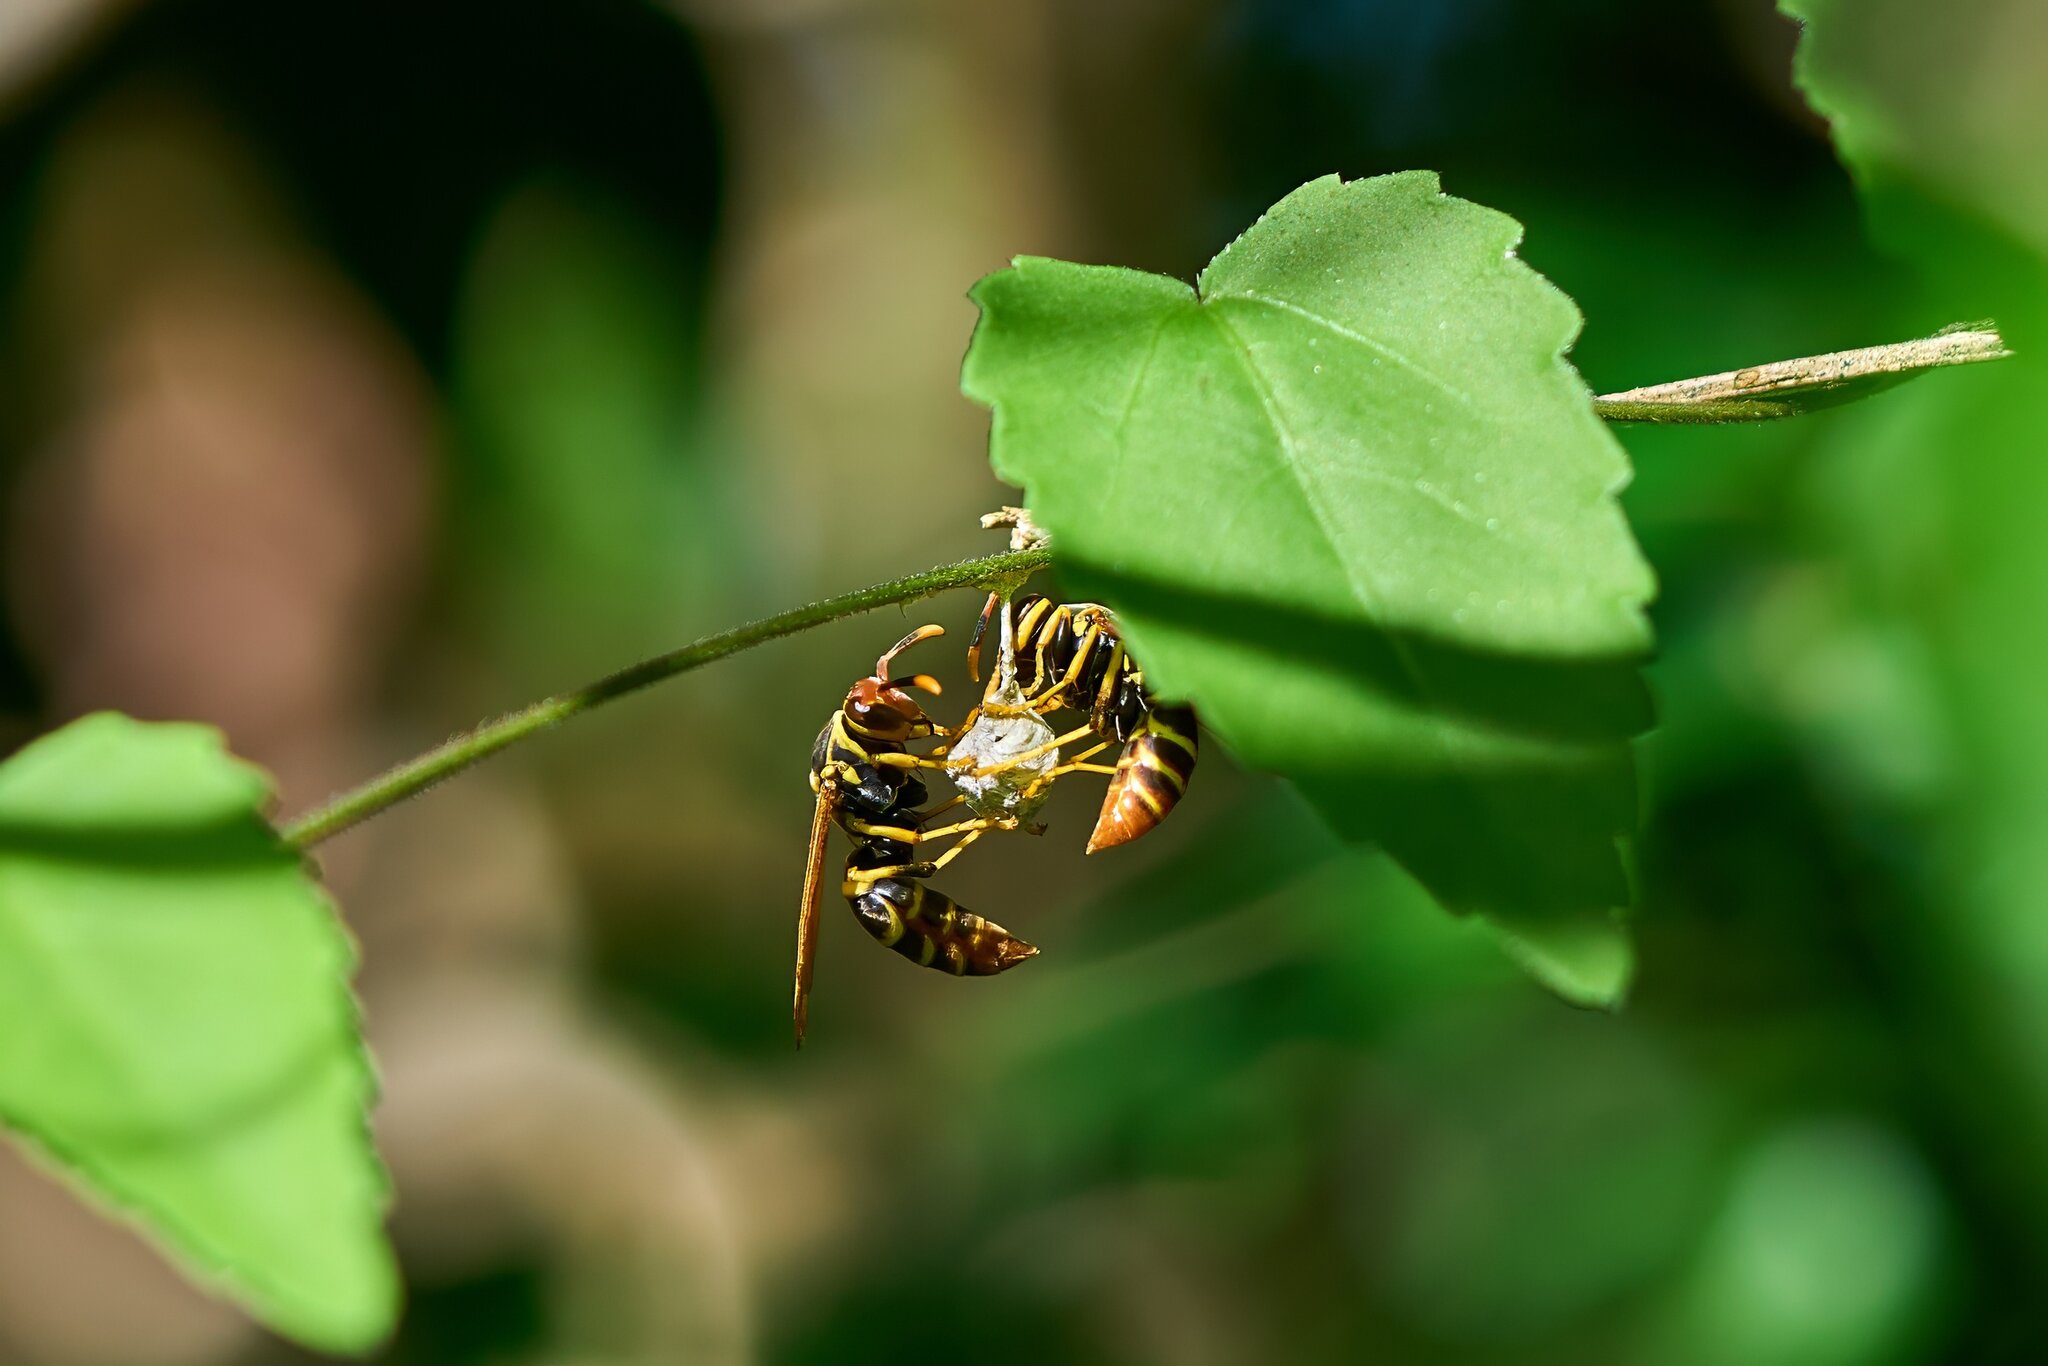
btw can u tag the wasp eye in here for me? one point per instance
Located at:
(878, 718)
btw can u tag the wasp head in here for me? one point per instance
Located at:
(884, 709)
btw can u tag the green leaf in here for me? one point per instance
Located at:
(1832, 1247)
(1933, 505)
(1933, 105)
(1585, 958)
(176, 1032)
(1347, 497)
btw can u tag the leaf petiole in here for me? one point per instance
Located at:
(1789, 388)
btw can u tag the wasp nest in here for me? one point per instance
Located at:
(1006, 730)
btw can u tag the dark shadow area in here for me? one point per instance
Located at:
(1571, 701)
(212, 848)
(1538, 785)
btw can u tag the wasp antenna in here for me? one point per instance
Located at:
(925, 632)
(924, 681)
(988, 609)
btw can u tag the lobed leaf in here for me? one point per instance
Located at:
(1348, 498)
(176, 1032)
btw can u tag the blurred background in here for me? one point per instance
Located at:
(366, 370)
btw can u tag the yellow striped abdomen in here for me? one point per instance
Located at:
(1151, 774)
(931, 929)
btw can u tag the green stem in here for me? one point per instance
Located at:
(416, 775)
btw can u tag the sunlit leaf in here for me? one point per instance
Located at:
(176, 1033)
(1348, 498)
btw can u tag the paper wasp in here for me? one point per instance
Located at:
(1071, 655)
(862, 772)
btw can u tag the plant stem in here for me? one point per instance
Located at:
(1779, 389)
(418, 774)
(1787, 388)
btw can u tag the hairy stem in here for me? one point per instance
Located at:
(1787, 388)
(445, 760)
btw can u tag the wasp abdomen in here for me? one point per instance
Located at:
(1151, 774)
(932, 930)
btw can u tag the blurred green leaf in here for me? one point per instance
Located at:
(1827, 1252)
(175, 1029)
(1941, 114)
(1528, 1165)
(1585, 958)
(1347, 497)
(1936, 104)
(574, 380)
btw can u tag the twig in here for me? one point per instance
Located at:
(1788, 388)
(416, 775)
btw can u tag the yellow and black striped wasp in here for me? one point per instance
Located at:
(864, 776)
(1071, 655)
(1057, 656)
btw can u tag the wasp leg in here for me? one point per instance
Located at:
(965, 840)
(928, 868)
(971, 827)
(1078, 764)
(1032, 620)
(1050, 699)
(969, 831)
(1112, 679)
(908, 761)
(868, 877)
(905, 834)
(923, 817)
(1045, 629)
(990, 770)
(954, 732)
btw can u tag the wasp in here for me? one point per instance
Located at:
(863, 773)
(1071, 655)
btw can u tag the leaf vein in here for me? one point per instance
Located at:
(1379, 348)
(1123, 420)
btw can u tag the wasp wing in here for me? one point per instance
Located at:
(807, 914)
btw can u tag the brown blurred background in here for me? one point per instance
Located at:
(367, 370)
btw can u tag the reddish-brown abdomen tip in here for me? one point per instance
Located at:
(1112, 828)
